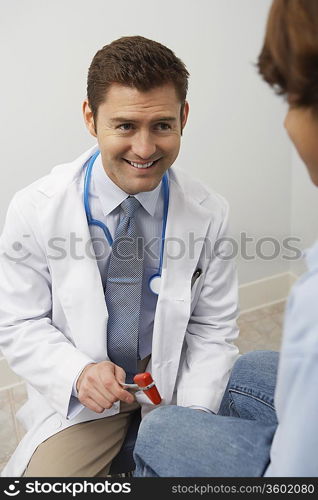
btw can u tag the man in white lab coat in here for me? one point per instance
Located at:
(53, 312)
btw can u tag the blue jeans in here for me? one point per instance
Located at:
(174, 441)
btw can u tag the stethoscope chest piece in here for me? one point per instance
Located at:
(155, 283)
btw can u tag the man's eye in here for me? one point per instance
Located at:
(125, 126)
(163, 126)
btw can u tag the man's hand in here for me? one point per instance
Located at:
(98, 386)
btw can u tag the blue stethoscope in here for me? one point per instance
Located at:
(154, 280)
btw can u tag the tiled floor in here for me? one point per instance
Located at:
(260, 329)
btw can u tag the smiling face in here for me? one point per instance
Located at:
(138, 134)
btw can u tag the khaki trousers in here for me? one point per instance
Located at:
(86, 449)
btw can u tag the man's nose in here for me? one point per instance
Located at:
(143, 146)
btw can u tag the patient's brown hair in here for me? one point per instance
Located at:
(289, 57)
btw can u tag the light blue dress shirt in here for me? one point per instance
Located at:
(294, 450)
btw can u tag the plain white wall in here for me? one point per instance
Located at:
(234, 140)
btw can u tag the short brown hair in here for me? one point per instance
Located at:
(289, 58)
(137, 62)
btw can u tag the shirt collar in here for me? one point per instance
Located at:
(111, 195)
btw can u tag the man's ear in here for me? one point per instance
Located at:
(185, 114)
(89, 118)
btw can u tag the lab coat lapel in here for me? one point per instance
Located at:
(75, 271)
(188, 221)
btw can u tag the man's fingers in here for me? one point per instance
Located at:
(111, 384)
(104, 401)
(99, 387)
(92, 405)
(126, 396)
(116, 390)
(120, 374)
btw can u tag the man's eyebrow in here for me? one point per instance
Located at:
(166, 119)
(122, 119)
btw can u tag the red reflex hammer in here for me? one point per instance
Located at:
(145, 381)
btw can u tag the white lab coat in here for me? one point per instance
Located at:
(53, 316)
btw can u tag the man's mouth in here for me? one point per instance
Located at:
(142, 165)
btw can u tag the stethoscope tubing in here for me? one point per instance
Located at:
(90, 220)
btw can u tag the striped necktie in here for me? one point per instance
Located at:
(123, 292)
